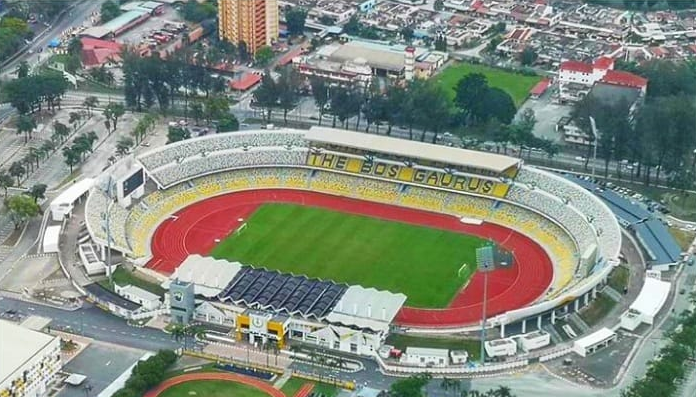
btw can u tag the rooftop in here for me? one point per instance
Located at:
(18, 346)
(412, 149)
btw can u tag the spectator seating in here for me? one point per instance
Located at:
(220, 142)
(596, 212)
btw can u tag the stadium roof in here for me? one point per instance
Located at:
(659, 243)
(209, 276)
(18, 346)
(367, 308)
(258, 287)
(412, 149)
(651, 297)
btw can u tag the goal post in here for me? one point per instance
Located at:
(240, 229)
(461, 269)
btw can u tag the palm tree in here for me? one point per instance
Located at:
(75, 118)
(17, 170)
(503, 391)
(26, 124)
(47, 147)
(178, 332)
(6, 181)
(89, 103)
(28, 160)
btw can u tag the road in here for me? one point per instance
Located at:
(93, 322)
(73, 17)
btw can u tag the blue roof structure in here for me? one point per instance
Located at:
(651, 232)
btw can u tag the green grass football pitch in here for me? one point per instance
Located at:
(515, 84)
(212, 388)
(421, 262)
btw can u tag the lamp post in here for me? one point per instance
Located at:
(484, 262)
(109, 194)
(594, 141)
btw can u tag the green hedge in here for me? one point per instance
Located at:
(147, 374)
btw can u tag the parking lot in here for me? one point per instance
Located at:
(102, 363)
(154, 24)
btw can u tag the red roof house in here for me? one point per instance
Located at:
(576, 66)
(621, 78)
(247, 81)
(96, 52)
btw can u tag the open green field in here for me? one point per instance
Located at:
(515, 84)
(212, 388)
(421, 262)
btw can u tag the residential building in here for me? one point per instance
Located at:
(576, 79)
(254, 22)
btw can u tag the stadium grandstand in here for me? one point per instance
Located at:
(564, 239)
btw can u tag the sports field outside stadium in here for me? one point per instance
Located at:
(515, 84)
(212, 388)
(423, 263)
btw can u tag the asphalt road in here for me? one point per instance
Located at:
(74, 17)
(93, 322)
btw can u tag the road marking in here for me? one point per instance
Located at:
(103, 329)
(108, 363)
(134, 335)
(113, 331)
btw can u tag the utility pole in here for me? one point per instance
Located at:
(596, 138)
(484, 262)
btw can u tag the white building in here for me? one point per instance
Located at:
(650, 300)
(501, 347)
(594, 342)
(425, 357)
(30, 360)
(147, 300)
(208, 275)
(575, 79)
(534, 340)
(51, 239)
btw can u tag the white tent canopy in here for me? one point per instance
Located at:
(63, 204)
(651, 298)
(51, 238)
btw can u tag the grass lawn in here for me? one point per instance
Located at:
(293, 385)
(212, 388)
(421, 262)
(683, 238)
(515, 84)
(618, 278)
(124, 277)
(401, 341)
(597, 309)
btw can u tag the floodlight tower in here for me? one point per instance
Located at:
(484, 262)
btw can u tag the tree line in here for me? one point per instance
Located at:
(422, 107)
(657, 134)
(147, 374)
(668, 368)
(30, 93)
(415, 386)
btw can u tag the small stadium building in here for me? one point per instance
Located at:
(263, 306)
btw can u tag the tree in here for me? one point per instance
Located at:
(320, 92)
(113, 112)
(21, 208)
(439, 5)
(295, 20)
(25, 124)
(228, 123)
(411, 386)
(22, 69)
(470, 91)
(407, 33)
(175, 134)
(492, 45)
(288, 94)
(38, 191)
(89, 103)
(264, 55)
(123, 145)
(266, 95)
(17, 170)
(498, 104)
(71, 157)
(109, 11)
(60, 131)
(440, 43)
(197, 111)
(528, 56)
(6, 181)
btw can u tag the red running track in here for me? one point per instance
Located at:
(305, 390)
(237, 378)
(197, 227)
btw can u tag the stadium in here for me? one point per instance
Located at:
(336, 237)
